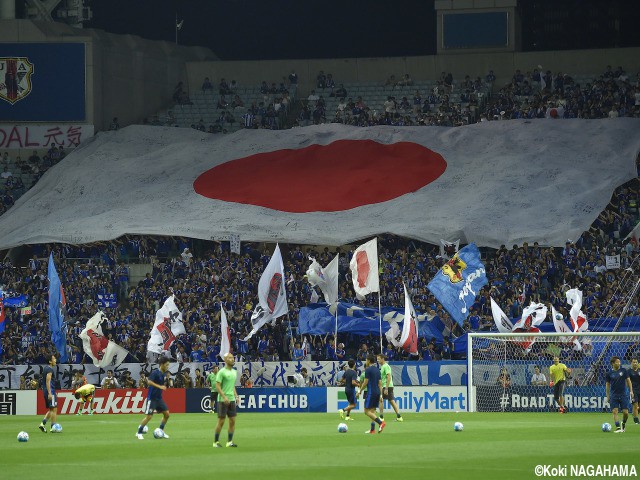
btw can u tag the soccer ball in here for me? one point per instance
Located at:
(56, 428)
(342, 428)
(458, 426)
(606, 427)
(157, 433)
(23, 437)
(145, 429)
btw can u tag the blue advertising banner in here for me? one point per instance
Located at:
(264, 400)
(42, 82)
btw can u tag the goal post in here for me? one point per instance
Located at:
(501, 366)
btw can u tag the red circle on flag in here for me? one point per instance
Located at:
(340, 176)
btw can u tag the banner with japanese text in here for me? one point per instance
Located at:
(65, 135)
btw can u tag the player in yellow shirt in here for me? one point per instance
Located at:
(558, 373)
(86, 393)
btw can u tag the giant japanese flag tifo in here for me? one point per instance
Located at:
(493, 183)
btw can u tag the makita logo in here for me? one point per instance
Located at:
(128, 402)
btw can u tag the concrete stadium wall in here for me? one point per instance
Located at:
(420, 68)
(127, 76)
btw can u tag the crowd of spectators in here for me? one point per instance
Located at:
(202, 274)
(540, 94)
(211, 274)
(18, 175)
(450, 102)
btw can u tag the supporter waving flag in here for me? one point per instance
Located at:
(57, 312)
(578, 318)
(503, 324)
(167, 327)
(561, 327)
(364, 268)
(272, 296)
(458, 282)
(103, 352)
(408, 338)
(532, 316)
(225, 334)
(325, 278)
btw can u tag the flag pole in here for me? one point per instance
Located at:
(336, 335)
(380, 317)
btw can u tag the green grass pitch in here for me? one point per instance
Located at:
(308, 446)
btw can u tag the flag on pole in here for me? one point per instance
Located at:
(503, 324)
(532, 316)
(166, 328)
(57, 312)
(364, 268)
(561, 327)
(459, 281)
(578, 318)
(325, 278)
(272, 295)
(408, 338)
(2, 318)
(102, 351)
(225, 334)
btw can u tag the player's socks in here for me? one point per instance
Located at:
(378, 420)
(217, 437)
(230, 436)
(140, 428)
(44, 421)
(636, 420)
(617, 424)
(162, 426)
(373, 426)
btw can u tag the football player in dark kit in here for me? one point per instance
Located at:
(154, 401)
(373, 384)
(49, 392)
(617, 382)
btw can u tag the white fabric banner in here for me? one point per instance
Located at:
(273, 374)
(488, 180)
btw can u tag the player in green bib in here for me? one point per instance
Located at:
(226, 387)
(211, 380)
(387, 387)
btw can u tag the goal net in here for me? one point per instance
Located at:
(502, 369)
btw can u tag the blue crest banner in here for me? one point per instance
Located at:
(457, 283)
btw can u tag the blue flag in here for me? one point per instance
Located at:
(317, 319)
(57, 312)
(106, 300)
(17, 302)
(458, 282)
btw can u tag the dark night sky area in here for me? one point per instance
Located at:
(285, 29)
(290, 29)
